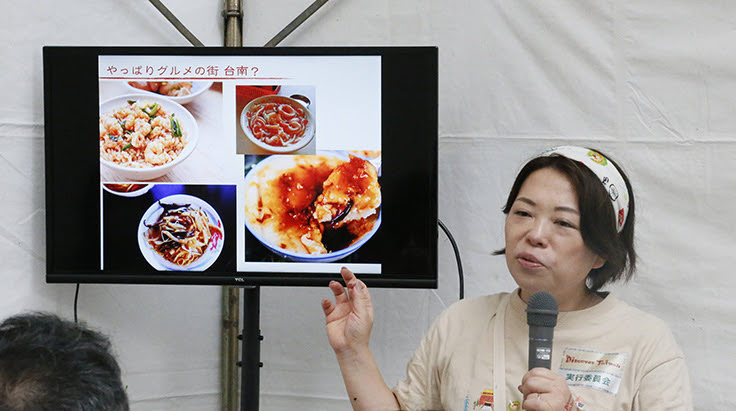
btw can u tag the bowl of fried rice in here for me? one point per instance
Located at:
(143, 137)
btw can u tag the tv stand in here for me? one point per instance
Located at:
(250, 363)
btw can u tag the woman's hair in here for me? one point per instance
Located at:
(597, 217)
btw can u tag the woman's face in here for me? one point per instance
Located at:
(544, 247)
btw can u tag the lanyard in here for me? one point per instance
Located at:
(499, 355)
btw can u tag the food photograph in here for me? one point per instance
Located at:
(275, 119)
(127, 189)
(168, 227)
(317, 208)
(162, 132)
(181, 233)
(182, 92)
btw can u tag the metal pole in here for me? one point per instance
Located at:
(229, 371)
(251, 359)
(233, 16)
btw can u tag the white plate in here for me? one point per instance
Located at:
(188, 126)
(152, 215)
(284, 162)
(136, 193)
(198, 87)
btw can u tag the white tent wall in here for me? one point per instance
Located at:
(651, 83)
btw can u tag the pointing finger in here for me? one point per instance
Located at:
(347, 275)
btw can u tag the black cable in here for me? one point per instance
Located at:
(457, 258)
(76, 298)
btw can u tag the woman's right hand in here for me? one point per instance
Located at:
(350, 319)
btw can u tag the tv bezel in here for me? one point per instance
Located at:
(71, 88)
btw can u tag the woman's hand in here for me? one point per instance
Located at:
(544, 390)
(350, 318)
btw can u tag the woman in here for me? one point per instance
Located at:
(569, 230)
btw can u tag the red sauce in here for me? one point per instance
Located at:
(124, 188)
(352, 176)
(215, 236)
(296, 190)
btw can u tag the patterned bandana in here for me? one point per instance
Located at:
(612, 180)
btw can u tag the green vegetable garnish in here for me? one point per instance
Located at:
(151, 110)
(131, 101)
(127, 146)
(175, 128)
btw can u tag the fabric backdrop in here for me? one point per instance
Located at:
(651, 83)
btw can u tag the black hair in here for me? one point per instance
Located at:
(47, 363)
(597, 217)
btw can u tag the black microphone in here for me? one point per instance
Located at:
(541, 315)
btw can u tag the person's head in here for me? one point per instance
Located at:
(47, 363)
(562, 233)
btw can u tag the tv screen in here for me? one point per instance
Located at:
(241, 166)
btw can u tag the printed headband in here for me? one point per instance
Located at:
(612, 180)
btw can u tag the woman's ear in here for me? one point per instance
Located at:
(598, 262)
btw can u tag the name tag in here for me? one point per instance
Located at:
(593, 369)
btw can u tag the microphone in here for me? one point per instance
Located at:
(541, 315)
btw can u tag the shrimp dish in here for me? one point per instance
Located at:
(140, 134)
(165, 88)
(277, 124)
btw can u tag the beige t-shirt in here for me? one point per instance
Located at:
(613, 357)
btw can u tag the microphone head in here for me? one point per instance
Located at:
(542, 310)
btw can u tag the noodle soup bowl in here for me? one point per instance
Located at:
(153, 214)
(252, 107)
(186, 121)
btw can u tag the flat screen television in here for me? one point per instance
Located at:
(241, 166)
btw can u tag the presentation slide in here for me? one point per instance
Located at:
(248, 164)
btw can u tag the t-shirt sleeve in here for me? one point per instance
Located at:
(667, 385)
(420, 390)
